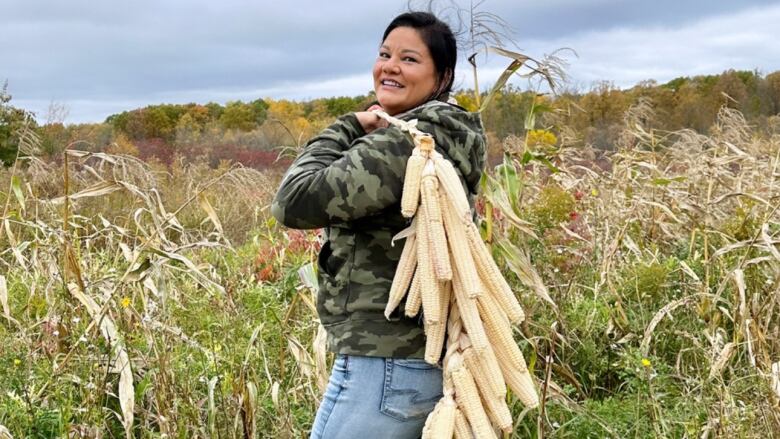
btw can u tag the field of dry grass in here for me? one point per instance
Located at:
(147, 301)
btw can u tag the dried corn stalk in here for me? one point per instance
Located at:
(448, 272)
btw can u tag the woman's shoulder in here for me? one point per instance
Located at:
(445, 115)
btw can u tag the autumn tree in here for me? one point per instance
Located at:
(11, 121)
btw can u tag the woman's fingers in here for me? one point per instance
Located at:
(370, 121)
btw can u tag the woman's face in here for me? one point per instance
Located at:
(404, 73)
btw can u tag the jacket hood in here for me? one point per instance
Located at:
(458, 135)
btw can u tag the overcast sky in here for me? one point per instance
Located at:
(99, 58)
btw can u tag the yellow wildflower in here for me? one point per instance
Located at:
(125, 302)
(541, 138)
(17, 362)
(646, 362)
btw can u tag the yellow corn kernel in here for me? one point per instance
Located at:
(438, 241)
(491, 276)
(469, 401)
(410, 197)
(413, 299)
(403, 274)
(462, 259)
(429, 286)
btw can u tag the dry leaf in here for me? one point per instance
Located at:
(121, 362)
(96, 190)
(4, 297)
(723, 358)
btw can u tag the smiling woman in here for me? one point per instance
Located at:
(348, 180)
(404, 73)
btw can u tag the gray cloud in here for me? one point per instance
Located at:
(104, 57)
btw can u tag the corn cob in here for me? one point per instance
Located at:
(491, 276)
(499, 331)
(493, 398)
(469, 401)
(486, 372)
(428, 429)
(469, 314)
(429, 286)
(410, 197)
(403, 275)
(413, 299)
(462, 427)
(438, 247)
(435, 333)
(520, 381)
(459, 248)
(498, 412)
(441, 422)
(451, 182)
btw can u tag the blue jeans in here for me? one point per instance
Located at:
(373, 397)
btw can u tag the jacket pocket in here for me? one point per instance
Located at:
(372, 275)
(334, 264)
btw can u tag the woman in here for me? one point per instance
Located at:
(348, 180)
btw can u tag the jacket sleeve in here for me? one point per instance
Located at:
(343, 174)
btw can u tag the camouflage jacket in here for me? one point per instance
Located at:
(349, 183)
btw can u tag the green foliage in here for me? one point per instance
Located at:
(647, 281)
(238, 116)
(744, 224)
(11, 121)
(553, 206)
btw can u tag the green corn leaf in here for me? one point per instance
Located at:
(16, 186)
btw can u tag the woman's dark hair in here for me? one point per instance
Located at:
(439, 39)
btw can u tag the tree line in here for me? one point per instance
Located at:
(240, 129)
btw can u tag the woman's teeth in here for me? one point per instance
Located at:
(392, 83)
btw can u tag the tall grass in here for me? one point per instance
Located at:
(149, 302)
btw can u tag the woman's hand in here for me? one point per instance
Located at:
(370, 121)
